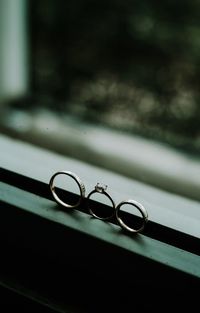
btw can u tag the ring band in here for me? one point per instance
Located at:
(138, 206)
(77, 180)
(101, 189)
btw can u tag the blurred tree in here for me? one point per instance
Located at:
(133, 65)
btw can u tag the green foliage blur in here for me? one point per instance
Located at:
(130, 65)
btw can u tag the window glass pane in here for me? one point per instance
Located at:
(131, 65)
(128, 66)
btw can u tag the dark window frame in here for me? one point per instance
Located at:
(69, 261)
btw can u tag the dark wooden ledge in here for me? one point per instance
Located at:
(67, 261)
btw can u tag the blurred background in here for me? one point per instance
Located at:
(128, 66)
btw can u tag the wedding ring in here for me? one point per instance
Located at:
(102, 190)
(77, 180)
(138, 206)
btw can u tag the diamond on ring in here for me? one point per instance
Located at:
(100, 188)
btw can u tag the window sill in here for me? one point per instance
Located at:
(164, 208)
(72, 248)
